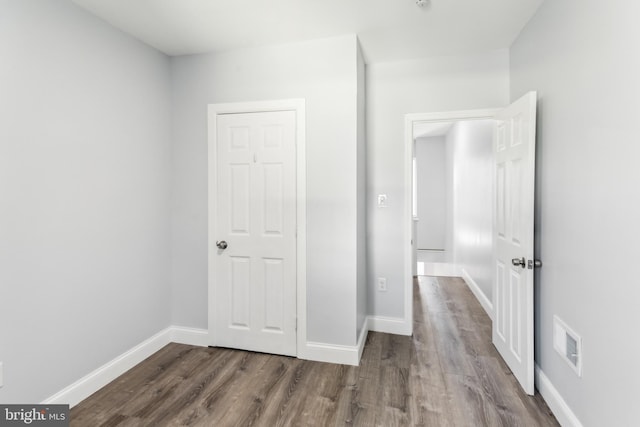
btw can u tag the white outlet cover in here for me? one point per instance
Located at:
(382, 200)
(1, 376)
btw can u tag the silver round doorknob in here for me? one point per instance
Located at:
(222, 245)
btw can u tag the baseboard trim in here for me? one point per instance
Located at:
(94, 381)
(558, 406)
(331, 353)
(442, 269)
(480, 296)
(389, 325)
(190, 336)
(335, 353)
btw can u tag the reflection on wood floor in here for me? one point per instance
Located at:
(447, 374)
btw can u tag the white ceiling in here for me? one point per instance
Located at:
(388, 30)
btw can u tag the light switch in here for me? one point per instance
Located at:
(382, 200)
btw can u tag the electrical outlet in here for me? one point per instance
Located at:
(382, 284)
(1, 376)
(382, 201)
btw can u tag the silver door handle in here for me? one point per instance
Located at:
(534, 263)
(519, 262)
(222, 245)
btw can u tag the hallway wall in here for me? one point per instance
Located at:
(473, 177)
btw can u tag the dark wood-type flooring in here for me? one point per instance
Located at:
(447, 374)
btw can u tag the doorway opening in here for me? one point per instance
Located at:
(430, 215)
(503, 250)
(453, 193)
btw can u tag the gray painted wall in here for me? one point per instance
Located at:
(473, 170)
(393, 90)
(324, 72)
(84, 195)
(582, 58)
(431, 165)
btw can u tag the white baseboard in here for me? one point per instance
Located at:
(442, 269)
(558, 406)
(94, 381)
(389, 325)
(89, 384)
(480, 296)
(334, 353)
(191, 336)
(331, 353)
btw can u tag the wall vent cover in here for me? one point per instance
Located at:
(568, 344)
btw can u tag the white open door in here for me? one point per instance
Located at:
(255, 230)
(513, 219)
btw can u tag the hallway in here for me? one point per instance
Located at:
(454, 355)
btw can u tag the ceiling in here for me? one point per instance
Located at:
(389, 30)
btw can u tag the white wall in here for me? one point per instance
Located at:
(324, 72)
(473, 175)
(430, 154)
(393, 90)
(582, 58)
(84, 195)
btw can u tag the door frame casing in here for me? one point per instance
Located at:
(297, 106)
(409, 121)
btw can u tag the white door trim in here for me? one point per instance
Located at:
(409, 121)
(298, 106)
